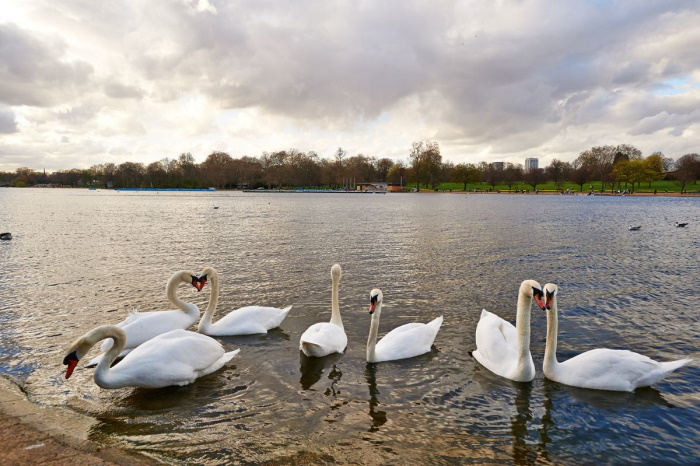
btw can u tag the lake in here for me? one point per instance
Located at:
(80, 258)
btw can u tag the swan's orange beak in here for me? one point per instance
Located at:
(71, 367)
(71, 361)
(549, 297)
(372, 304)
(539, 298)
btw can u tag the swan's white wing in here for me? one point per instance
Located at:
(174, 358)
(133, 316)
(407, 341)
(249, 320)
(322, 339)
(149, 326)
(608, 369)
(496, 343)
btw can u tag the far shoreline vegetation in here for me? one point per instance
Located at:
(601, 169)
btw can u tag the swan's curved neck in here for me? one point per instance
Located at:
(213, 301)
(335, 308)
(373, 331)
(103, 374)
(522, 326)
(171, 293)
(550, 348)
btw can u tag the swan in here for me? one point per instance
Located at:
(247, 320)
(177, 357)
(142, 326)
(504, 349)
(403, 342)
(601, 368)
(325, 338)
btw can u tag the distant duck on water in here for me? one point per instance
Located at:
(5, 236)
(635, 227)
(678, 225)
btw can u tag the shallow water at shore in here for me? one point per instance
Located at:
(84, 258)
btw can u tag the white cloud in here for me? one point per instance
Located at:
(503, 80)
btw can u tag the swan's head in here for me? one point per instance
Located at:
(201, 280)
(71, 360)
(550, 292)
(533, 289)
(336, 273)
(82, 345)
(375, 298)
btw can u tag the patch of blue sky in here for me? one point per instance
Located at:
(674, 86)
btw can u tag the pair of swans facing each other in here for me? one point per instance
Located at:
(504, 350)
(406, 341)
(140, 327)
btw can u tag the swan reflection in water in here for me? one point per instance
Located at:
(533, 434)
(313, 368)
(378, 416)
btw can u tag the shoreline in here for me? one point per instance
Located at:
(34, 434)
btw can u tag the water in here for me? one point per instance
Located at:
(82, 258)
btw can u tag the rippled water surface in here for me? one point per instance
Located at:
(84, 258)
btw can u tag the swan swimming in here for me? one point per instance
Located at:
(177, 357)
(504, 349)
(247, 320)
(405, 341)
(325, 338)
(601, 368)
(142, 326)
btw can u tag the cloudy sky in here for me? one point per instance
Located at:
(84, 82)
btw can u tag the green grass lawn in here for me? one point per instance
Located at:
(660, 186)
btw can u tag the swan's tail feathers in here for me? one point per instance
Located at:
(287, 309)
(218, 364)
(484, 313)
(671, 366)
(230, 355)
(95, 361)
(107, 344)
(313, 350)
(435, 324)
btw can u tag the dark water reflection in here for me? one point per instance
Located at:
(81, 259)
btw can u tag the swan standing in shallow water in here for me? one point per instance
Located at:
(247, 320)
(504, 349)
(173, 358)
(406, 341)
(142, 326)
(325, 338)
(601, 368)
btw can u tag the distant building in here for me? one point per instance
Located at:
(497, 165)
(531, 163)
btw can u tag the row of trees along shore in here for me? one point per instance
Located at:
(613, 167)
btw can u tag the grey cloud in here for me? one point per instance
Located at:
(33, 72)
(117, 90)
(8, 122)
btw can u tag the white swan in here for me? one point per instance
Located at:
(142, 326)
(177, 357)
(325, 338)
(601, 368)
(247, 320)
(406, 341)
(504, 349)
